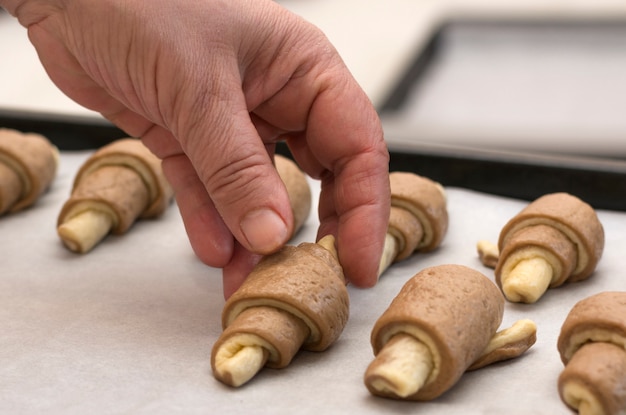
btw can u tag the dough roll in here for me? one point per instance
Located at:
(294, 299)
(454, 311)
(426, 200)
(600, 317)
(418, 219)
(557, 238)
(594, 380)
(28, 165)
(119, 184)
(592, 346)
(298, 190)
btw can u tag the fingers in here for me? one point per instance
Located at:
(236, 170)
(354, 206)
(209, 237)
(208, 115)
(355, 196)
(334, 133)
(210, 77)
(236, 271)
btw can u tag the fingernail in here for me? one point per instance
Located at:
(264, 230)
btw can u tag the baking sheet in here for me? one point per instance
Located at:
(128, 328)
(515, 106)
(516, 84)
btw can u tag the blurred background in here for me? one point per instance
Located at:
(539, 76)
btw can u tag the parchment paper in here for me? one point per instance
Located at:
(128, 328)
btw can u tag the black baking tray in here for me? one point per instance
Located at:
(601, 181)
(67, 132)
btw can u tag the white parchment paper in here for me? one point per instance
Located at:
(128, 328)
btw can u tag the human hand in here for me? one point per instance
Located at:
(211, 87)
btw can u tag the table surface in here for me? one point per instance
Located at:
(129, 327)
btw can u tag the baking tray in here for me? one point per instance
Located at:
(128, 328)
(67, 132)
(464, 157)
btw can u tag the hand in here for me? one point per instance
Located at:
(211, 87)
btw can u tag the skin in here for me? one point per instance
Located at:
(211, 86)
